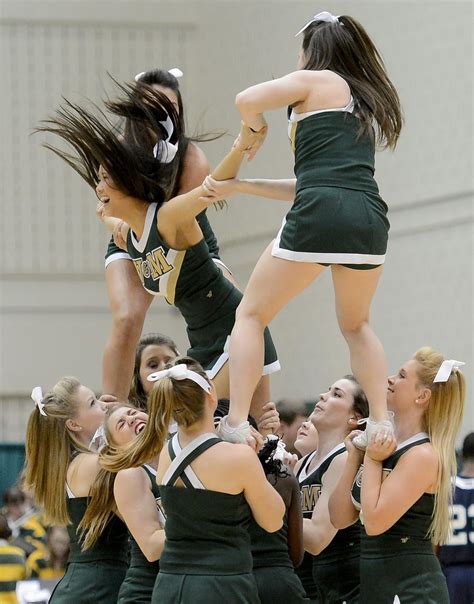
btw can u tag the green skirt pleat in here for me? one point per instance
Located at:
(205, 589)
(414, 578)
(88, 582)
(279, 585)
(138, 585)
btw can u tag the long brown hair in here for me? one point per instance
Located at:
(181, 400)
(129, 160)
(50, 447)
(443, 418)
(346, 48)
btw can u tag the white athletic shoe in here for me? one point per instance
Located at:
(231, 434)
(362, 440)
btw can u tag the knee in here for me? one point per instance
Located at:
(353, 327)
(127, 323)
(250, 314)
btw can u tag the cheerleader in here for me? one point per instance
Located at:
(209, 491)
(403, 491)
(65, 479)
(163, 238)
(137, 498)
(275, 555)
(330, 569)
(153, 352)
(337, 218)
(129, 301)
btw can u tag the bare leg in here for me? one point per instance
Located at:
(129, 303)
(221, 382)
(260, 397)
(354, 291)
(274, 282)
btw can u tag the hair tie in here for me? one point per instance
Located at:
(445, 370)
(181, 372)
(37, 396)
(324, 16)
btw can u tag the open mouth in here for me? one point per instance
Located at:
(139, 427)
(105, 200)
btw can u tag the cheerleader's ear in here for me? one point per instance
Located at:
(72, 425)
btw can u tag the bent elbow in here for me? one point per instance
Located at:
(240, 99)
(274, 526)
(152, 555)
(373, 528)
(314, 549)
(243, 100)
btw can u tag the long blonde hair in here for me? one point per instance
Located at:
(443, 418)
(102, 504)
(181, 400)
(49, 450)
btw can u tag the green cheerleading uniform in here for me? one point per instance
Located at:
(332, 577)
(116, 253)
(273, 570)
(190, 280)
(139, 581)
(96, 574)
(401, 562)
(206, 558)
(338, 216)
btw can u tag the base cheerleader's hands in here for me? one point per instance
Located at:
(353, 452)
(269, 421)
(250, 140)
(381, 445)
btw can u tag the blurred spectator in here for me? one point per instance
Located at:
(27, 529)
(50, 563)
(457, 556)
(12, 564)
(292, 415)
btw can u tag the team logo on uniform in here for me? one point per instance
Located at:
(154, 266)
(309, 496)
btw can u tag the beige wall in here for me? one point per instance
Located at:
(55, 316)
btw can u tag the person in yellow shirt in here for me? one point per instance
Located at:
(50, 562)
(12, 565)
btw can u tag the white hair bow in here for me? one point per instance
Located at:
(37, 396)
(446, 369)
(165, 151)
(324, 16)
(181, 372)
(174, 71)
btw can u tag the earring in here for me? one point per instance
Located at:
(416, 400)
